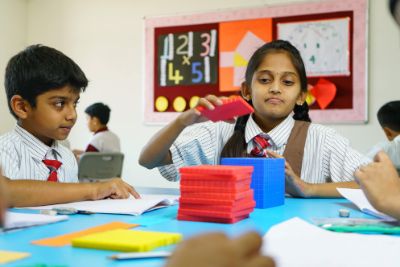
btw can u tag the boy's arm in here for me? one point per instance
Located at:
(3, 200)
(28, 193)
(156, 152)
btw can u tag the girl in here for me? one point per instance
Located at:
(318, 160)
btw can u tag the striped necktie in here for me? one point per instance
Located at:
(259, 143)
(53, 166)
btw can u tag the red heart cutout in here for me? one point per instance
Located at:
(324, 92)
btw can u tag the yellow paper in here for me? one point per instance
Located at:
(63, 240)
(10, 256)
(127, 240)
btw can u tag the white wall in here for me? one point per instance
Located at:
(105, 37)
(13, 33)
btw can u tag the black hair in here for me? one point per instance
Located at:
(392, 7)
(38, 69)
(100, 111)
(388, 115)
(236, 146)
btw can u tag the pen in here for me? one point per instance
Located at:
(140, 255)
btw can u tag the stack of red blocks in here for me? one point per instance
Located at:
(215, 193)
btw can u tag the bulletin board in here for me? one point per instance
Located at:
(191, 56)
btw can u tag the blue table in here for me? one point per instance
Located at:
(159, 220)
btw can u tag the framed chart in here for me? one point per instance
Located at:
(190, 56)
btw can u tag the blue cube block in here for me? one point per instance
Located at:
(268, 179)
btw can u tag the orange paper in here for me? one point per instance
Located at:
(63, 240)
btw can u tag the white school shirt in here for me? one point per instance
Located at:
(105, 141)
(21, 156)
(392, 148)
(327, 156)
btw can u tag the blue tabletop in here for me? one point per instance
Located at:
(159, 220)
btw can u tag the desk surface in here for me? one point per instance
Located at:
(160, 220)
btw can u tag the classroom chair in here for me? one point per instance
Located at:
(94, 166)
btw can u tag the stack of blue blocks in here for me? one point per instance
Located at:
(268, 179)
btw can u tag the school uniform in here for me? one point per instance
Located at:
(392, 148)
(22, 155)
(104, 141)
(327, 156)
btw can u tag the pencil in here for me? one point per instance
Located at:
(140, 255)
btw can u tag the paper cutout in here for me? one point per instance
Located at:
(10, 256)
(323, 44)
(324, 92)
(238, 41)
(161, 103)
(179, 104)
(63, 240)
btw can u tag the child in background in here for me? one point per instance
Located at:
(389, 119)
(275, 85)
(43, 87)
(103, 140)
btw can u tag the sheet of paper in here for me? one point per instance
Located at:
(63, 240)
(358, 197)
(296, 243)
(128, 206)
(10, 256)
(16, 220)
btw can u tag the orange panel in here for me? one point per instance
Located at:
(226, 80)
(231, 33)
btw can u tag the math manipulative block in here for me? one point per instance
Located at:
(268, 179)
(127, 240)
(231, 107)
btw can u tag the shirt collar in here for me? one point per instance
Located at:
(278, 135)
(101, 130)
(37, 148)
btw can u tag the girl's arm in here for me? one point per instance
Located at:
(296, 187)
(156, 152)
(328, 189)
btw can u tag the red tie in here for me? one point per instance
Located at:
(260, 143)
(53, 166)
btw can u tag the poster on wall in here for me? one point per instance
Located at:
(188, 57)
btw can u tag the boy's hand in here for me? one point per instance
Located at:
(114, 188)
(293, 183)
(3, 200)
(217, 250)
(381, 184)
(193, 115)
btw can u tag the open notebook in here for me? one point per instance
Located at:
(16, 220)
(358, 197)
(128, 206)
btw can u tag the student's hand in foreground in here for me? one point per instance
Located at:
(293, 183)
(113, 188)
(218, 250)
(193, 115)
(381, 184)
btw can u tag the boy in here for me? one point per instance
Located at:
(103, 140)
(43, 87)
(389, 119)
